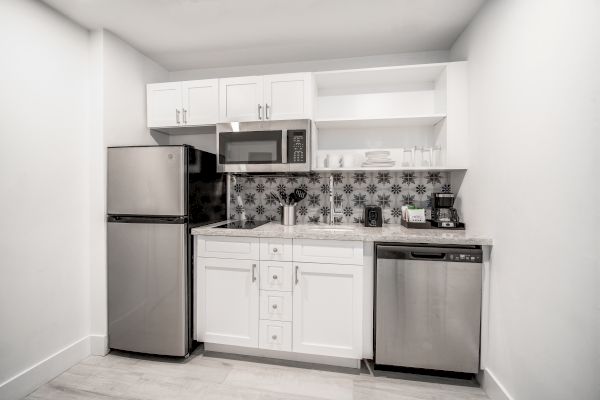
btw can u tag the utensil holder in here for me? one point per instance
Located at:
(288, 215)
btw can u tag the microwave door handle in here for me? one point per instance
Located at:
(284, 147)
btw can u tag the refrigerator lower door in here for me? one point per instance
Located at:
(148, 299)
(428, 314)
(147, 180)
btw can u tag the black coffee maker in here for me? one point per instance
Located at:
(443, 214)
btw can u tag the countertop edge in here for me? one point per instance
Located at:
(418, 236)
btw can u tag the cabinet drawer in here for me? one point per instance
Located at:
(276, 249)
(276, 275)
(328, 251)
(276, 306)
(239, 248)
(275, 335)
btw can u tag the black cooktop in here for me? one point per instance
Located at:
(242, 224)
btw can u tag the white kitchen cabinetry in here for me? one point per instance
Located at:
(275, 335)
(276, 249)
(301, 296)
(288, 96)
(241, 99)
(179, 104)
(228, 292)
(328, 310)
(241, 248)
(163, 104)
(328, 251)
(200, 102)
(269, 97)
(276, 275)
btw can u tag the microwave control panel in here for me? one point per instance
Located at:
(296, 146)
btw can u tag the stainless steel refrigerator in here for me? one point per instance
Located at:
(156, 194)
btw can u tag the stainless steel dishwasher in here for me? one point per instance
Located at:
(428, 307)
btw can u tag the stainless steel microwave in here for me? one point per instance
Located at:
(269, 146)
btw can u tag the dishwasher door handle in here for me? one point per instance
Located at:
(427, 256)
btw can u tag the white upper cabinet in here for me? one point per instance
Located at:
(328, 309)
(241, 99)
(288, 96)
(164, 104)
(200, 102)
(175, 104)
(269, 97)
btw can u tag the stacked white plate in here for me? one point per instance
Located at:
(378, 159)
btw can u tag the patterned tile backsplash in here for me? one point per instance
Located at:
(249, 196)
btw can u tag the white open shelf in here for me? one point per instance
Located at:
(358, 169)
(392, 108)
(377, 122)
(373, 79)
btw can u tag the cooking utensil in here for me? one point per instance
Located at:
(300, 194)
(276, 197)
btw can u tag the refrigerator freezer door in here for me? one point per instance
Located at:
(147, 288)
(147, 180)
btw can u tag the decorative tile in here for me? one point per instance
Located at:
(251, 198)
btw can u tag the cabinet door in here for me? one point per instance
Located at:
(200, 102)
(288, 96)
(163, 102)
(328, 310)
(241, 99)
(228, 301)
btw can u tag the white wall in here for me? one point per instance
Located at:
(119, 101)
(312, 66)
(533, 186)
(44, 233)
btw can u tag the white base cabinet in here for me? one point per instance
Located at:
(228, 301)
(248, 298)
(328, 310)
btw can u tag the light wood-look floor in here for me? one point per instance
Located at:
(219, 376)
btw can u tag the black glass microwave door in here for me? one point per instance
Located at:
(256, 147)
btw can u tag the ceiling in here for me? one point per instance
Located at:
(186, 34)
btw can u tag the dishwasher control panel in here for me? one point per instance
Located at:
(465, 257)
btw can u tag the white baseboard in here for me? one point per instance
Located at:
(27, 381)
(99, 345)
(492, 386)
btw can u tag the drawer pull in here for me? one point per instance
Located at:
(274, 306)
(275, 250)
(274, 337)
(274, 276)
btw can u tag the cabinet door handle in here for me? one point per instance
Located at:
(259, 111)
(184, 116)
(297, 274)
(253, 272)
(267, 111)
(274, 306)
(177, 115)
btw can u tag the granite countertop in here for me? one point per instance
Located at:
(388, 233)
